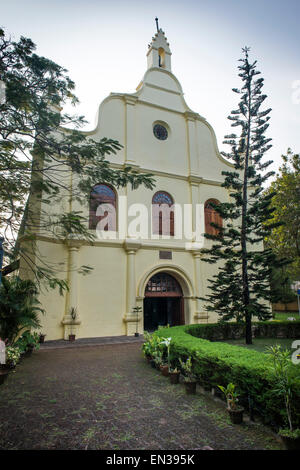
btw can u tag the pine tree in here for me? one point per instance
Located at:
(241, 289)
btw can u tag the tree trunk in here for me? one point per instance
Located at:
(246, 296)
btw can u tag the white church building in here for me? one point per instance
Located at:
(158, 269)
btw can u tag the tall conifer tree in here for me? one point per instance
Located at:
(240, 289)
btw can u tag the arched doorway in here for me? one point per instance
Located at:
(163, 302)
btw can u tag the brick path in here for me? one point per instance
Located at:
(84, 342)
(108, 397)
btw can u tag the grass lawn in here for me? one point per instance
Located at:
(260, 344)
(283, 316)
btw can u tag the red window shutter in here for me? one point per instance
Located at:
(172, 223)
(211, 216)
(208, 220)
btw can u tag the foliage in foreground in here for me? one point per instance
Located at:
(285, 239)
(41, 151)
(19, 307)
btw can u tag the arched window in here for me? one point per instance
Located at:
(163, 284)
(103, 208)
(162, 214)
(211, 215)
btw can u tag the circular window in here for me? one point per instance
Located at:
(160, 132)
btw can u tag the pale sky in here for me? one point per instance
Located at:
(103, 44)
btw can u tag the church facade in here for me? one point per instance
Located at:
(158, 268)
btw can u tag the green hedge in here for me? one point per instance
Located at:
(267, 329)
(218, 363)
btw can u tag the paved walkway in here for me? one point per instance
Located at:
(108, 397)
(82, 342)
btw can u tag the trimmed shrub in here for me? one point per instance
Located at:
(251, 371)
(267, 329)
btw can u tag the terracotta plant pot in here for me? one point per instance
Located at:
(190, 387)
(71, 338)
(236, 416)
(164, 370)
(291, 443)
(174, 377)
(3, 375)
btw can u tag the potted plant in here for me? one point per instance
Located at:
(27, 343)
(189, 378)
(290, 438)
(73, 314)
(158, 358)
(165, 368)
(235, 411)
(147, 347)
(174, 375)
(150, 348)
(42, 338)
(282, 368)
(136, 311)
(13, 355)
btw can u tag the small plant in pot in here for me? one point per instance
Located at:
(13, 355)
(27, 343)
(188, 375)
(73, 315)
(147, 347)
(282, 368)
(166, 343)
(174, 374)
(152, 350)
(158, 360)
(42, 338)
(136, 311)
(235, 411)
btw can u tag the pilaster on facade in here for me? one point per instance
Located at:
(200, 315)
(191, 116)
(192, 141)
(71, 319)
(131, 319)
(130, 123)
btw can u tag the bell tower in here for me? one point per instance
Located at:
(159, 54)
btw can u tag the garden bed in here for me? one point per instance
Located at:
(218, 363)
